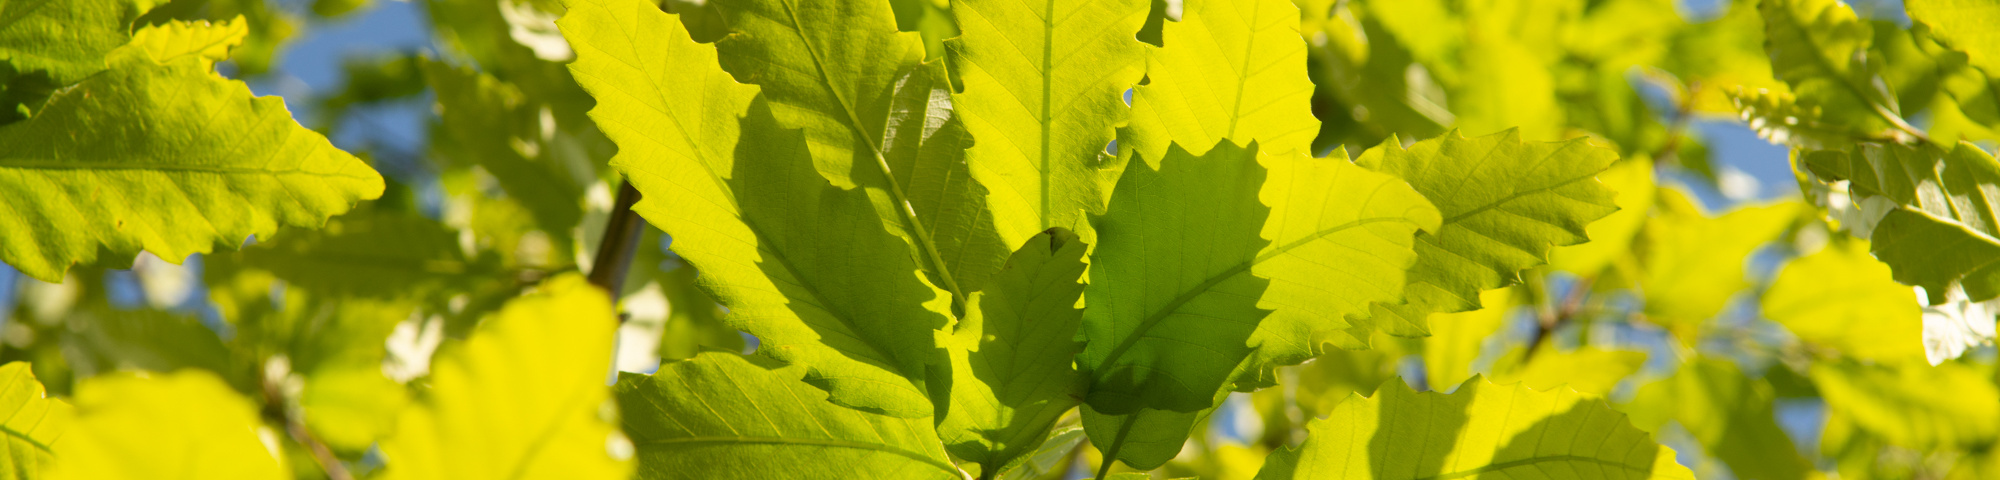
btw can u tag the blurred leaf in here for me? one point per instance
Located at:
(504, 132)
(1587, 370)
(523, 397)
(721, 415)
(1480, 429)
(1964, 25)
(1730, 415)
(1695, 262)
(1723, 55)
(1818, 47)
(337, 8)
(1913, 404)
(373, 254)
(1842, 298)
(104, 340)
(1457, 338)
(190, 423)
(34, 423)
(1779, 118)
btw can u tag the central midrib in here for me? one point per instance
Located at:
(906, 212)
(1048, 90)
(1153, 319)
(1243, 79)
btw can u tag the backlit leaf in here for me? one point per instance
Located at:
(721, 415)
(1479, 430)
(1843, 298)
(34, 423)
(1180, 287)
(1505, 204)
(185, 425)
(1944, 230)
(164, 155)
(1228, 70)
(1011, 355)
(523, 397)
(806, 267)
(1041, 90)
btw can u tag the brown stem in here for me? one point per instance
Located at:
(1550, 321)
(620, 242)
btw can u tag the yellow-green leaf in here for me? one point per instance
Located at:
(34, 423)
(721, 416)
(164, 155)
(1042, 86)
(1228, 70)
(1844, 299)
(185, 425)
(1480, 430)
(523, 398)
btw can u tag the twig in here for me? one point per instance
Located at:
(1550, 321)
(620, 242)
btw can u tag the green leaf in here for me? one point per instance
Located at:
(1505, 204)
(210, 41)
(1779, 118)
(694, 321)
(1818, 46)
(1694, 262)
(1481, 429)
(873, 116)
(721, 415)
(1042, 87)
(1964, 25)
(188, 423)
(806, 267)
(1145, 439)
(501, 131)
(1458, 338)
(101, 340)
(1050, 459)
(1194, 256)
(1611, 237)
(374, 254)
(1842, 298)
(34, 423)
(1011, 355)
(65, 40)
(523, 397)
(1229, 70)
(1730, 415)
(1913, 404)
(1944, 230)
(1587, 370)
(164, 155)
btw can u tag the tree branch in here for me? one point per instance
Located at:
(620, 242)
